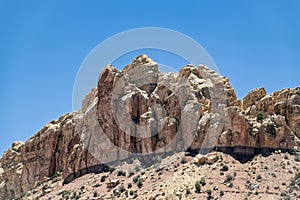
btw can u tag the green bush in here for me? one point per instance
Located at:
(224, 168)
(202, 181)
(209, 192)
(222, 193)
(129, 185)
(137, 168)
(228, 178)
(188, 191)
(135, 195)
(65, 194)
(103, 178)
(258, 177)
(95, 194)
(136, 178)
(139, 183)
(111, 169)
(121, 173)
(198, 186)
(122, 188)
(131, 173)
(259, 117)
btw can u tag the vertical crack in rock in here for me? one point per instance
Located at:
(52, 168)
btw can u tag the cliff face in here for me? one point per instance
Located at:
(139, 111)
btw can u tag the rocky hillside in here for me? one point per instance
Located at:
(140, 113)
(180, 176)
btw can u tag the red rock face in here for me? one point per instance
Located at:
(140, 110)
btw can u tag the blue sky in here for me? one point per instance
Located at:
(43, 43)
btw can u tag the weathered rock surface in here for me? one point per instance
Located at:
(140, 110)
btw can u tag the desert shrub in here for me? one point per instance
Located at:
(139, 183)
(137, 168)
(228, 178)
(224, 168)
(266, 167)
(143, 172)
(188, 191)
(129, 185)
(121, 173)
(202, 181)
(295, 182)
(122, 188)
(209, 192)
(134, 195)
(136, 178)
(73, 195)
(65, 194)
(95, 194)
(282, 164)
(111, 169)
(222, 193)
(297, 158)
(285, 196)
(198, 186)
(258, 177)
(250, 187)
(103, 178)
(131, 173)
(259, 117)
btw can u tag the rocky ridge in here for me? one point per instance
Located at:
(142, 111)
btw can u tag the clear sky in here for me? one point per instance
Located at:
(43, 43)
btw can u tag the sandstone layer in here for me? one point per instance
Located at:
(141, 111)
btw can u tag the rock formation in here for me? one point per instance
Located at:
(140, 111)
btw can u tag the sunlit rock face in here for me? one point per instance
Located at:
(139, 111)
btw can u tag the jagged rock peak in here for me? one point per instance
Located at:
(142, 59)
